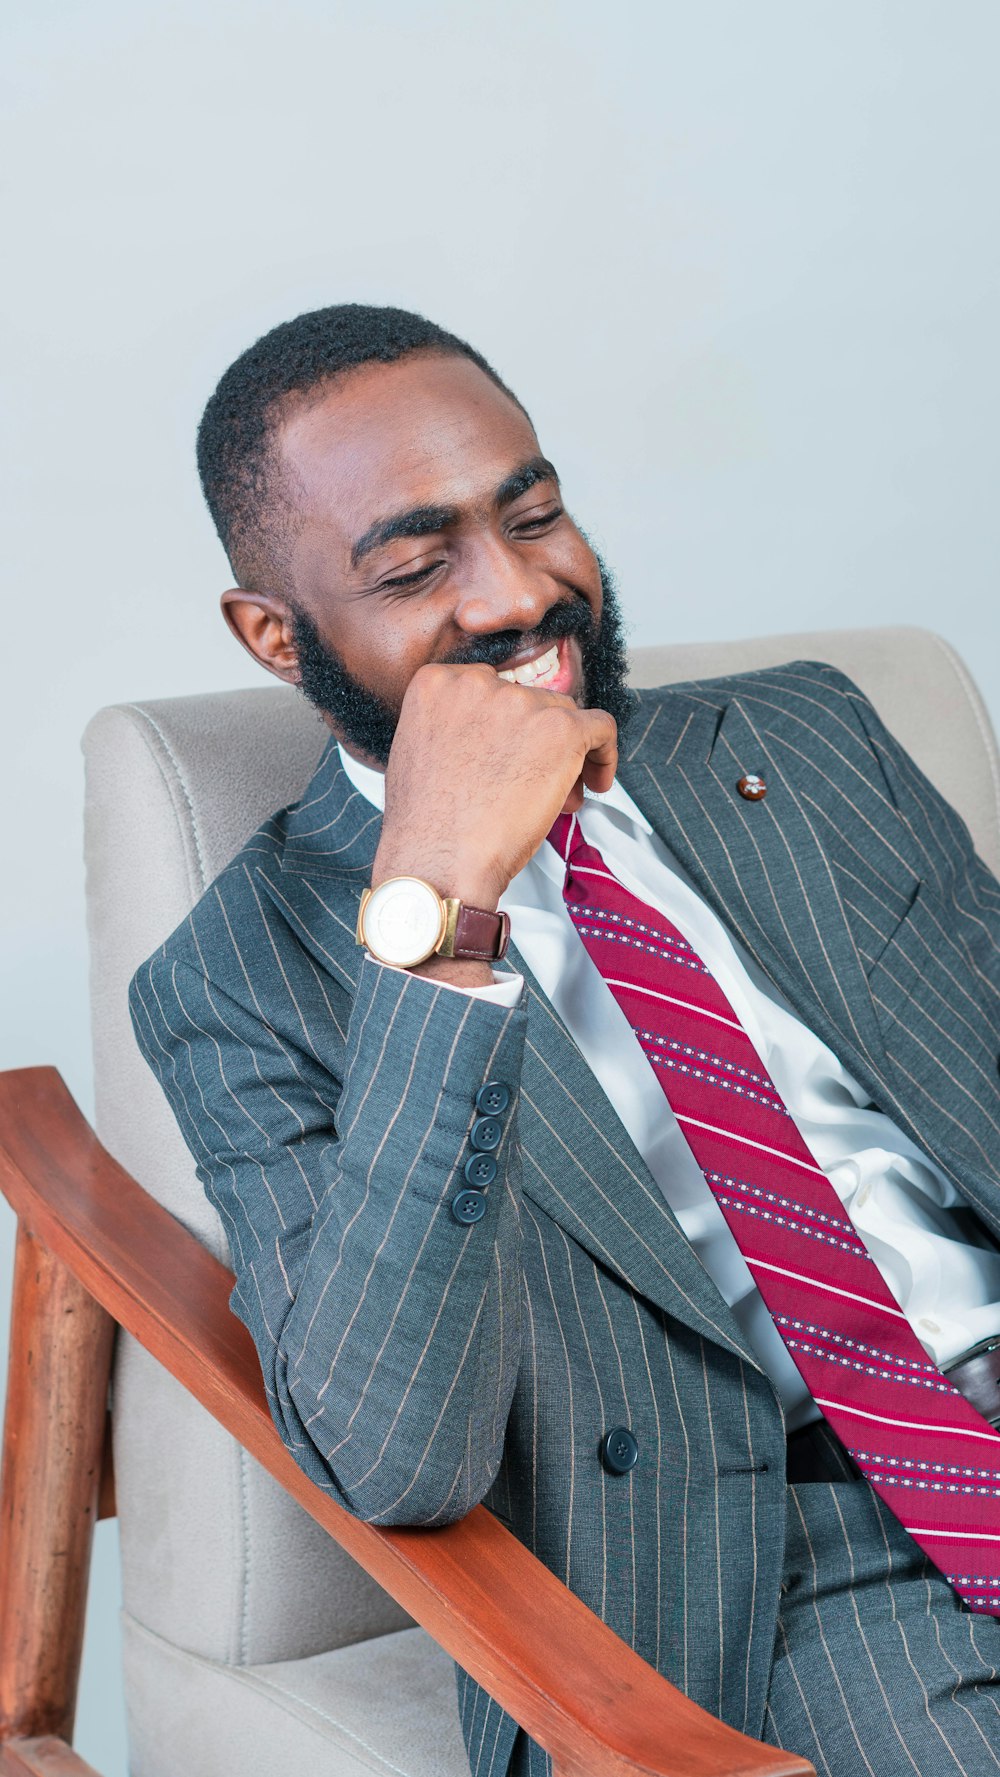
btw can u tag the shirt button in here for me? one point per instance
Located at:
(485, 1134)
(480, 1170)
(468, 1206)
(929, 1326)
(619, 1450)
(752, 787)
(493, 1098)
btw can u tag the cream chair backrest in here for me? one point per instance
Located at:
(215, 1558)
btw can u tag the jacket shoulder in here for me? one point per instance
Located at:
(204, 937)
(230, 905)
(788, 683)
(808, 701)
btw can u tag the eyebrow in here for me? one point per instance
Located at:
(424, 521)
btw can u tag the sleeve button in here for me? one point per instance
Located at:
(480, 1170)
(619, 1450)
(485, 1134)
(468, 1206)
(493, 1098)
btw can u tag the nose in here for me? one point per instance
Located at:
(501, 589)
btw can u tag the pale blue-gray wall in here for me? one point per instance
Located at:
(740, 259)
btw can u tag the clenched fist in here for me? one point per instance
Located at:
(479, 769)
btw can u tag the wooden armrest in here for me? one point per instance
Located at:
(598, 1708)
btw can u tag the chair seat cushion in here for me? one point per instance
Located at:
(387, 1706)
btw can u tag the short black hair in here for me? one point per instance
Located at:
(235, 458)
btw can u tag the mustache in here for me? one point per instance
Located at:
(568, 617)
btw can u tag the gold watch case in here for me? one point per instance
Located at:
(403, 921)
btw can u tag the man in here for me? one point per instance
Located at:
(487, 1226)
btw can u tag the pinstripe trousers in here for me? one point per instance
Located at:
(877, 1670)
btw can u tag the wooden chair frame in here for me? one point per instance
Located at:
(94, 1251)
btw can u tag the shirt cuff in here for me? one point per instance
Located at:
(506, 990)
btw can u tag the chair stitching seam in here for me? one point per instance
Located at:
(285, 1690)
(183, 834)
(972, 698)
(245, 1590)
(171, 755)
(254, 1679)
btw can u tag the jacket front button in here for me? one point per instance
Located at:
(619, 1450)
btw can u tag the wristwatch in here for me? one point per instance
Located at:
(404, 921)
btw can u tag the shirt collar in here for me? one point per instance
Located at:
(365, 778)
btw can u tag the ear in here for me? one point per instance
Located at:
(263, 624)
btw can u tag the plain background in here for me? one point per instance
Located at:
(740, 258)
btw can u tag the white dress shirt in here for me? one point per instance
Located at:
(899, 1201)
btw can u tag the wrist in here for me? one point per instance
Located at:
(453, 972)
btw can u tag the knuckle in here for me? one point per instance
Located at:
(563, 719)
(434, 681)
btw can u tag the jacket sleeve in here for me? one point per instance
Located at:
(388, 1331)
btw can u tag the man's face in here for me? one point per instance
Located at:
(431, 529)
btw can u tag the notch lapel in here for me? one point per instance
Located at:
(582, 1168)
(330, 840)
(759, 865)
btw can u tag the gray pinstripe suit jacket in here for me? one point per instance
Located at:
(416, 1366)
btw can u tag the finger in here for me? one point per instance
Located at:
(574, 801)
(601, 761)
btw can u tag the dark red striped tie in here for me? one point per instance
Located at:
(925, 1450)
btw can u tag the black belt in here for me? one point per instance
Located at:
(976, 1374)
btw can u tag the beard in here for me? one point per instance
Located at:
(366, 722)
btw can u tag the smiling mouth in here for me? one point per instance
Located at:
(557, 668)
(537, 671)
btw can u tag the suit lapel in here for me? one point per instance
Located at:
(582, 1168)
(759, 865)
(330, 840)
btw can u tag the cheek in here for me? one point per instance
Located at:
(573, 560)
(385, 648)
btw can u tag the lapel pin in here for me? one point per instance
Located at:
(752, 787)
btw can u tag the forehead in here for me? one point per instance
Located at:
(426, 431)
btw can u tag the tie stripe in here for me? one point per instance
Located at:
(854, 1347)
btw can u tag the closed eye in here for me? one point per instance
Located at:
(409, 579)
(539, 523)
(400, 582)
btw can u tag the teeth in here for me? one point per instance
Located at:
(533, 670)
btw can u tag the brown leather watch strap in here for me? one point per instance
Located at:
(976, 1374)
(479, 936)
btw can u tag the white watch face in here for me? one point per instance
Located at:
(404, 921)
